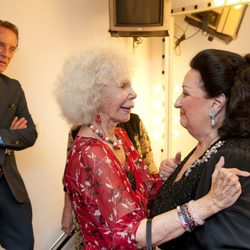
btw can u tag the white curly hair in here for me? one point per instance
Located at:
(80, 85)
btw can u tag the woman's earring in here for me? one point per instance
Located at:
(212, 115)
(98, 119)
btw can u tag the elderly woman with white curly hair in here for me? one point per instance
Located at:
(108, 185)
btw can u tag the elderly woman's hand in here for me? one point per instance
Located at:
(224, 192)
(67, 224)
(67, 221)
(226, 188)
(168, 166)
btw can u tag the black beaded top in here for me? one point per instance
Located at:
(175, 193)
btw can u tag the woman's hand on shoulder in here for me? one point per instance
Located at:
(226, 188)
(168, 166)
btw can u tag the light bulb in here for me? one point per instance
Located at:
(157, 120)
(218, 3)
(237, 6)
(175, 133)
(158, 104)
(232, 1)
(158, 135)
(158, 88)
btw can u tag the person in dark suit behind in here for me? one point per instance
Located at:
(17, 132)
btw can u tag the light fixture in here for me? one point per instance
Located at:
(158, 88)
(158, 104)
(193, 6)
(218, 3)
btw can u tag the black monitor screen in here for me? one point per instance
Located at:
(139, 12)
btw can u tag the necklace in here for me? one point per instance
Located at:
(206, 156)
(116, 145)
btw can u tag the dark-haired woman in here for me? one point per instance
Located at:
(215, 109)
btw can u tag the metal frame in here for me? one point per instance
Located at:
(190, 6)
(61, 241)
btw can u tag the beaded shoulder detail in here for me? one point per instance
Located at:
(206, 156)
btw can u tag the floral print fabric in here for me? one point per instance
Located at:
(106, 207)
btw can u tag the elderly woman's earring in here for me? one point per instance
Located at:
(98, 119)
(212, 115)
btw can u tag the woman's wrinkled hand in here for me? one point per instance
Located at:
(168, 166)
(67, 224)
(226, 188)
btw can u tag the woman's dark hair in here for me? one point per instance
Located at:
(10, 26)
(227, 73)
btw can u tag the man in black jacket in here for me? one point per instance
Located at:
(17, 132)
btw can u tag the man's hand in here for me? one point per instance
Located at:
(67, 224)
(18, 123)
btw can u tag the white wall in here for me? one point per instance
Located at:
(49, 32)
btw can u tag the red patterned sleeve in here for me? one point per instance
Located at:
(151, 182)
(105, 192)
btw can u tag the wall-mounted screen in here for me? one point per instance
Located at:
(139, 17)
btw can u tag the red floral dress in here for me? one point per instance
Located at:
(107, 206)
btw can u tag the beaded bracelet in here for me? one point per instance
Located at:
(184, 218)
(187, 221)
(197, 220)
